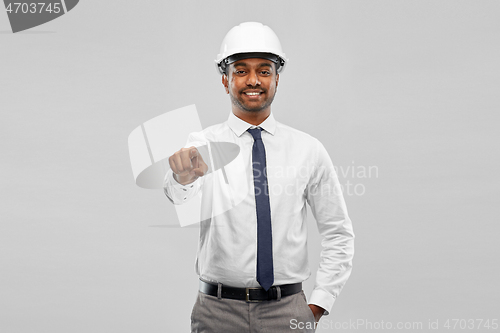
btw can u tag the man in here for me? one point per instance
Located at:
(252, 259)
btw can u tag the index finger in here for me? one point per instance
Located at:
(193, 152)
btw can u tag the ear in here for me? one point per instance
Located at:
(277, 79)
(225, 83)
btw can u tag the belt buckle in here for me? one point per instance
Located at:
(247, 292)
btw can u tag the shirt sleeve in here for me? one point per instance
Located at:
(176, 192)
(324, 195)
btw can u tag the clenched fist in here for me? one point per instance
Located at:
(187, 165)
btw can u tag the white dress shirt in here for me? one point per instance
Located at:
(299, 170)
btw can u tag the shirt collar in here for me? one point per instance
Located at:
(239, 126)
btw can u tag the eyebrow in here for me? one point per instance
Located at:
(263, 64)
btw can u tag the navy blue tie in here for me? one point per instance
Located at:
(265, 272)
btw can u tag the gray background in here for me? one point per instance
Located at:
(410, 87)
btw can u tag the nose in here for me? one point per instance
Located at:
(253, 79)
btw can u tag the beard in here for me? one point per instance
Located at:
(240, 103)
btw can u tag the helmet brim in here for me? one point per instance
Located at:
(279, 62)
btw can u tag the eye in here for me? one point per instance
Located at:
(265, 72)
(240, 71)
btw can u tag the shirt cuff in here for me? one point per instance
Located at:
(323, 299)
(176, 192)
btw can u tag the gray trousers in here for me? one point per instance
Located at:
(289, 314)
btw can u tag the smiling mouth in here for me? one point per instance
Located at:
(253, 93)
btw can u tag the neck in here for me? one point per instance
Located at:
(252, 117)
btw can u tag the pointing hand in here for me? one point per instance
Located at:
(187, 165)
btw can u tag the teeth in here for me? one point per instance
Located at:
(252, 93)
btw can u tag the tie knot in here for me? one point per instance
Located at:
(256, 133)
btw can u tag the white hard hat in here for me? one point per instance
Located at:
(253, 39)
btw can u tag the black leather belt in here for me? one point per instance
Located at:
(250, 294)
